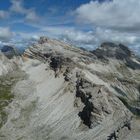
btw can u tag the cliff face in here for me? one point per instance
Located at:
(73, 94)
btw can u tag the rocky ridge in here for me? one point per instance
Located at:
(71, 93)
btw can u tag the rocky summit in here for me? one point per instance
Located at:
(109, 49)
(61, 92)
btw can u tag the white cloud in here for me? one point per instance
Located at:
(117, 14)
(79, 37)
(5, 34)
(31, 16)
(92, 39)
(116, 21)
(69, 33)
(28, 36)
(115, 36)
(3, 14)
(18, 8)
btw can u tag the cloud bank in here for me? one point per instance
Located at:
(112, 20)
(116, 14)
(5, 34)
(115, 20)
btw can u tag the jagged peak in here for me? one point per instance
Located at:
(108, 44)
(47, 47)
(42, 39)
(109, 49)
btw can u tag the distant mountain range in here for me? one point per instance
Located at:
(23, 44)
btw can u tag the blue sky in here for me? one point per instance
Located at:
(48, 12)
(84, 23)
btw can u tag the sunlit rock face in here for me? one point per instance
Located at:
(67, 93)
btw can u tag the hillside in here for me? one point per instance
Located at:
(67, 93)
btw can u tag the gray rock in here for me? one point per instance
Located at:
(9, 51)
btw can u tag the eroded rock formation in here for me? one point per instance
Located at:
(73, 94)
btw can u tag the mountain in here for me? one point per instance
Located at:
(9, 51)
(68, 93)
